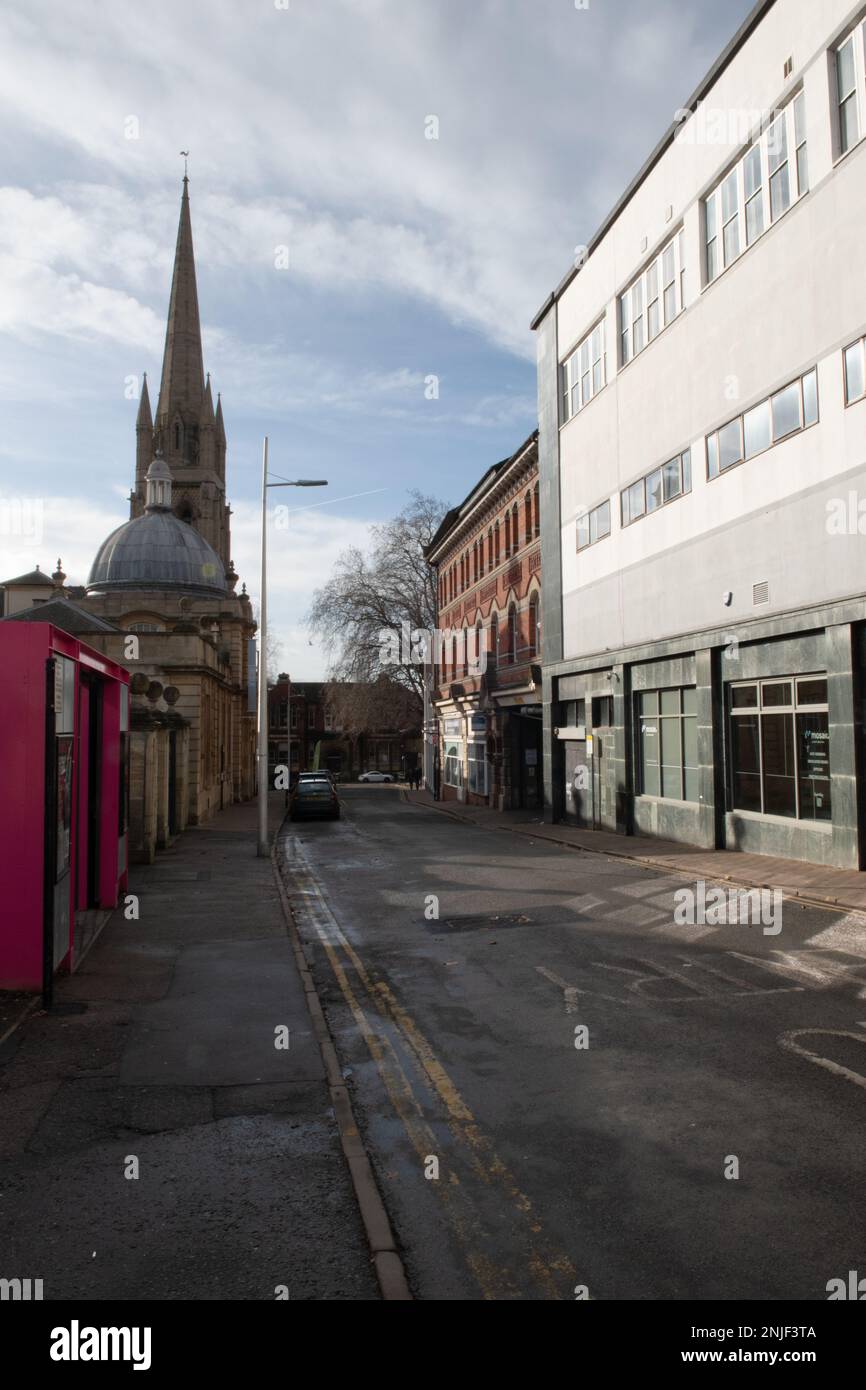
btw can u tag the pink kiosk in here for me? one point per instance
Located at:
(63, 808)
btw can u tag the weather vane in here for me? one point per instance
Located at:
(185, 154)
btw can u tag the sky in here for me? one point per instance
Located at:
(383, 192)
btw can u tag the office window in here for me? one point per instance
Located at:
(651, 492)
(583, 373)
(801, 157)
(311, 717)
(779, 756)
(653, 300)
(761, 187)
(593, 526)
(855, 371)
(668, 743)
(786, 412)
(780, 174)
(850, 83)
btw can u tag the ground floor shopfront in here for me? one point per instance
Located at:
(490, 752)
(746, 740)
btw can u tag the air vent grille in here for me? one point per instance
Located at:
(761, 592)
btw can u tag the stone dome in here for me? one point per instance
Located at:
(157, 551)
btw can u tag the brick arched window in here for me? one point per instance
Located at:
(537, 513)
(454, 658)
(512, 633)
(527, 517)
(494, 640)
(507, 534)
(496, 543)
(490, 547)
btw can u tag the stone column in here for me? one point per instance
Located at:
(839, 648)
(620, 684)
(709, 829)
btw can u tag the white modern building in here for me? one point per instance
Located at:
(702, 460)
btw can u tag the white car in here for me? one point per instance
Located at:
(375, 777)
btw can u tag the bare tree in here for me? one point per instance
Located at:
(379, 706)
(390, 590)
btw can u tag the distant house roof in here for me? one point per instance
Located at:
(25, 581)
(65, 614)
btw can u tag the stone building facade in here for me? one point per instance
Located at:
(161, 596)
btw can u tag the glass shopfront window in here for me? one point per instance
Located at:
(780, 748)
(668, 743)
(452, 765)
(477, 750)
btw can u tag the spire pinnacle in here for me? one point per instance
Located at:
(144, 419)
(182, 382)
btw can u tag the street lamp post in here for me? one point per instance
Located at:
(262, 757)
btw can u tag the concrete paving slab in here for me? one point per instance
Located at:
(216, 1025)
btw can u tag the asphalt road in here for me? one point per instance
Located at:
(517, 1165)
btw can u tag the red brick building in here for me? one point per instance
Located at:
(486, 697)
(303, 717)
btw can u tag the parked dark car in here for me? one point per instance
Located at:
(314, 796)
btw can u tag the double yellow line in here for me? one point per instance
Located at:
(550, 1273)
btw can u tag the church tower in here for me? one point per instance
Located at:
(186, 430)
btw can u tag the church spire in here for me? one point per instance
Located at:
(144, 419)
(182, 383)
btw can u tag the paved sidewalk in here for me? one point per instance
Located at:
(161, 1053)
(814, 883)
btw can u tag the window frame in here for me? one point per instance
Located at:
(578, 371)
(630, 314)
(589, 514)
(681, 715)
(791, 708)
(712, 457)
(857, 91)
(848, 399)
(683, 461)
(792, 114)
